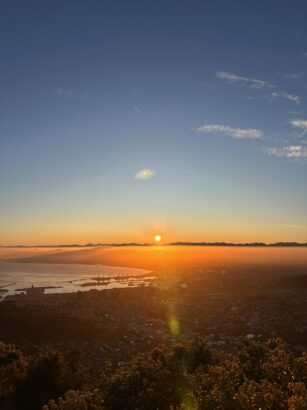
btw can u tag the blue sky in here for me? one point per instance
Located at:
(210, 97)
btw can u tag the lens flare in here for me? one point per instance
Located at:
(174, 326)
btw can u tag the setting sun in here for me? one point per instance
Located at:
(157, 238)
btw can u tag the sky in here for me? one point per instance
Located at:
(123, 119)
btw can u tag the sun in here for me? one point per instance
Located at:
(157, 238)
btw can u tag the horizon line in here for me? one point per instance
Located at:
(179, 243)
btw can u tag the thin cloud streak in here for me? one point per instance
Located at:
(293, 98)
(240, 133)
(256, 84)
(249, 82)
(294, 76)
(290, 152)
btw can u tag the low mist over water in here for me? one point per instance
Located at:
(63, 271)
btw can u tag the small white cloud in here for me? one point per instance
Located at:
(144, 174)
(136, 109)
(249, 82)
(298, 123)
(293, 98)
(250, 133)
(292, 152)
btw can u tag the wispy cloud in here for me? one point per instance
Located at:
(293, 98)
(144, 174)
(294, 76)
(295, 112)
(298, 33)
(256, 84)
(291, 152)
(249, 82)
(65, 92)
(250, 133)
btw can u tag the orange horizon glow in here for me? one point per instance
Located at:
(166, 258)
(170, 230)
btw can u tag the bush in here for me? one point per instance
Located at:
(186, 376)
(13, 368)
(75, 400)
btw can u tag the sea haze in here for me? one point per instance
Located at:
(63, 271)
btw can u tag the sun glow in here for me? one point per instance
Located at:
(157, 238)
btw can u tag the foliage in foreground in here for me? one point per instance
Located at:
(186, 376)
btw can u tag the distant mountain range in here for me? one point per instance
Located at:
(88, 245)
(275, 244)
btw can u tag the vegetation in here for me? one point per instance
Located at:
(186, 376)
(27, 382)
